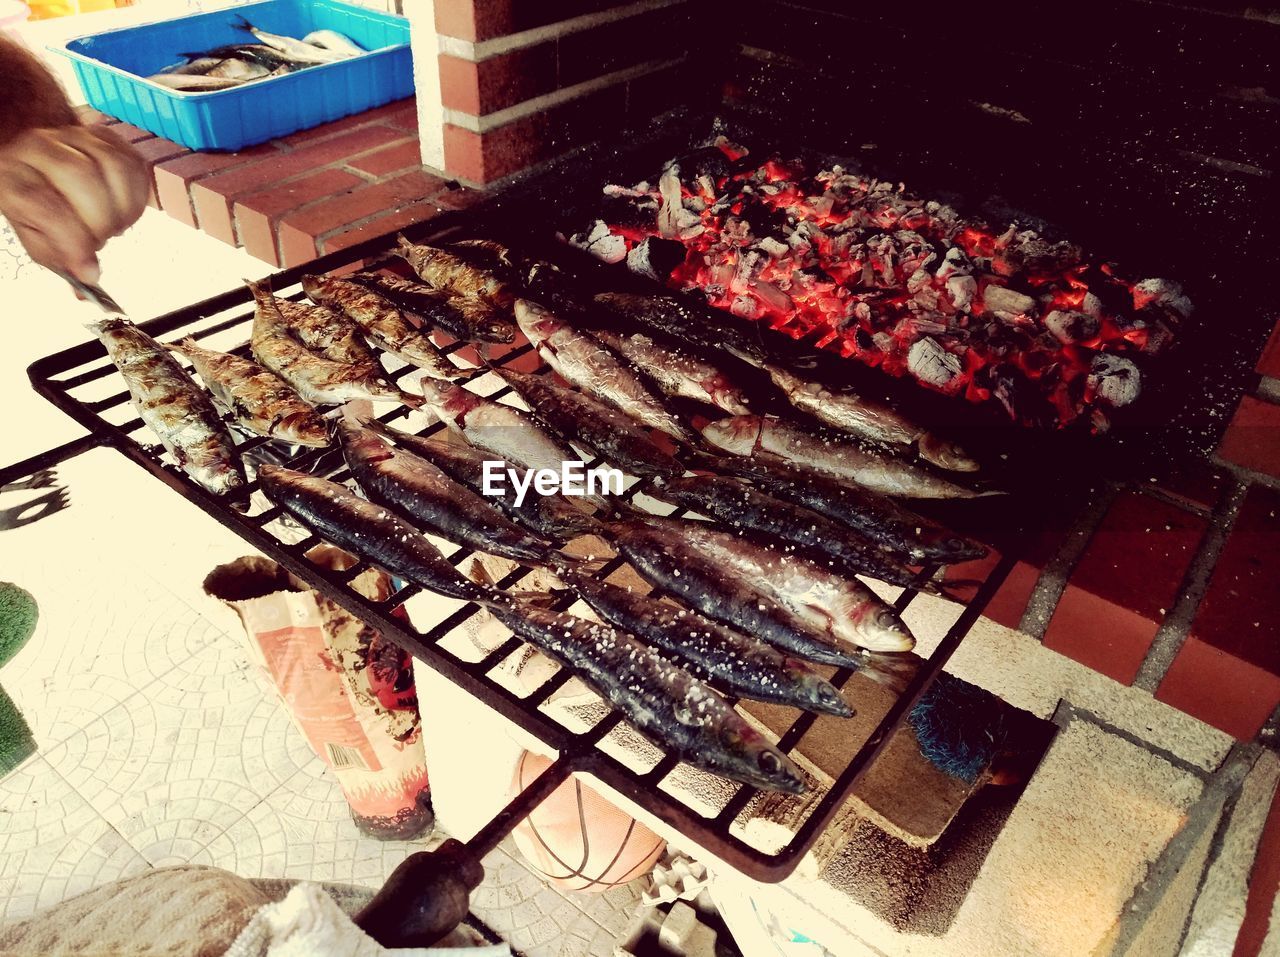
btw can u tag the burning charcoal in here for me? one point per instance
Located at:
(954, 263)
(774, 248)
(1026, 251)
(601, 243)
(883, 257)
(1164, 292)
(774, 298)
(1068, 326)
(1008, 304)
(655, 258)
(1114, 378)
(630, 213)
(962, 289)
(672, 202)
(746, 307)
(707, 161)
(932, 364)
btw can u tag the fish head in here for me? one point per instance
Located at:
(821, 694)
(537, 323)
(738, 434)
(360, 444)
(447, 397)
(877, 627)
(945, 454)
(748, 756)
(315, 287)
(305, 428)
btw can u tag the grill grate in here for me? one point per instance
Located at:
(84, 384)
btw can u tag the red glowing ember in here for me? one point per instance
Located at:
(861, 267)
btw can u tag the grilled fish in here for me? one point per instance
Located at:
(660, 699)
(679, 320)
(736, 504)
(676, 371)
(261, 402)
(293, 48)
(431, 499)
(870, 466)
(488, 253)
(868, 419)
(318, 380)
(578, 417)
(447, 270)
(506, 432)
(785, 599)
(551, 517)
(370, 531)
(329, 334)
(589, 365)
(382, 322)
(178, 411)
(746, 666)
(465, 318)
(876, 517)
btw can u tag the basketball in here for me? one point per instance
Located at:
(579, 841)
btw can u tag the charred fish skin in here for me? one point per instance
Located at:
(671, 316)
(677, 372)
(444, 269)
(578, 417)
(371, 531)
(660, 699)
(748, 667)
(700, 583)
(382, 322)
(593, 368)
(179, 412)
(736, 504)
(550, 517)
(428, 497)
(876, 517)
(868, 419)
(841, 456)
(827, 602)
(316, 379)
(505, 431)
(325, 332)
(261, 402)
(463, 318)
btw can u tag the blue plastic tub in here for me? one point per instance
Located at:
(111, 68)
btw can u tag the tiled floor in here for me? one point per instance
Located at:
(158, 743)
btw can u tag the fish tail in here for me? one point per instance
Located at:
(411, 400)
(241, 23)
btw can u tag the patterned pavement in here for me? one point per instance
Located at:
(158, 742)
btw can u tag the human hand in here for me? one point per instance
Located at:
(66, 190)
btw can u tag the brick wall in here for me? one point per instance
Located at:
(523, 81)
(314, 192)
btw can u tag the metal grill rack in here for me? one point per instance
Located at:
(85, 385)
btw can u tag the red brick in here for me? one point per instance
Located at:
(1220, 689)
(212, 196)
(404, 117)
(460, 198)
(1264, 885)
(1253, 437)
(174, 177)
(497, 82)
(130, 134)
(389, 223)
(389, 114)
(256, 215)
(1139, 554)
(1269, 361)
(390, 159)
(1240, 613)
(299, 232)
(1193, 483)
(1100, 634)
(474, 19)
(483, 158)
(156, 150)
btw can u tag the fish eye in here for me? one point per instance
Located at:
(886, 618)
(768, 762)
